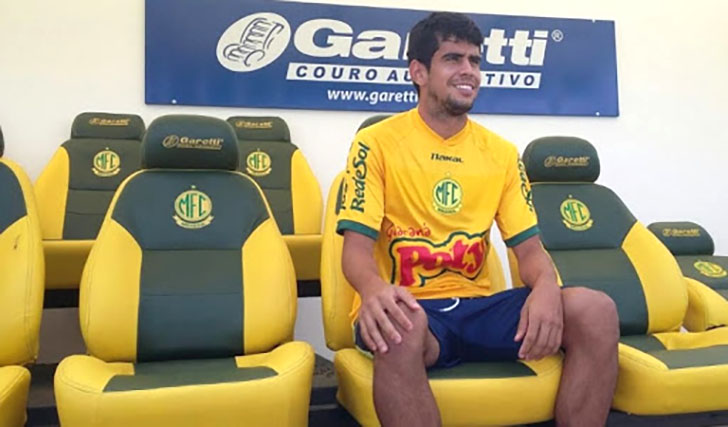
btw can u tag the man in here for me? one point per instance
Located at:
(423, 190)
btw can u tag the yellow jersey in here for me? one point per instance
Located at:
(429, 203)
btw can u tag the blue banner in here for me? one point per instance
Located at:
(251, 53)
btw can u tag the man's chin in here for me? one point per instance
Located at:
(455, 108)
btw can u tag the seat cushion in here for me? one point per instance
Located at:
(673, 372)
(14, 385)
(264, 389)
(468, 394)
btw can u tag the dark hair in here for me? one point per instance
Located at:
(426, 35)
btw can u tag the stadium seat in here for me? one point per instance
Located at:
(188, 298)
(469, 394)
(21, 289)
(294, 195)
(595, 241)
(706, 273)
(373, 119)
(75, 188)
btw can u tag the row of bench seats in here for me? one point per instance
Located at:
(170, 342)
(75, 188)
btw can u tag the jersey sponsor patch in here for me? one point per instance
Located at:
(415, 260)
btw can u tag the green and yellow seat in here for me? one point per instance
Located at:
(595, 241)
(21, 289)
(372, 120)
(75, 188)
(294, 195)
(188, 298)
(706, 273)
(469, 394)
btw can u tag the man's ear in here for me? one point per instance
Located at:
(419, 73)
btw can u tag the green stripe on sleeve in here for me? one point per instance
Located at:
(522, 236)
(345, 224)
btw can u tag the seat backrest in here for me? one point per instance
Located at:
(595, 241)
(373, 119)
(21, 266)
(337, 295)
(279, 168)
(694, 250)
(189, 262)
(75, 188)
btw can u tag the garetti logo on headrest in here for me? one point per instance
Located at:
(96, 121)
(244, 124)
(566, 162)
(176, 141)
(253, 42)
(193, 209)
(106, 163)
(681, 232)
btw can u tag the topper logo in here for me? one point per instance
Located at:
(253, 42)
(417, 260)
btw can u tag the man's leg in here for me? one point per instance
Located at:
(589, 377)
(402, 394)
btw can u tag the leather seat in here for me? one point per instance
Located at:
(282, 172)
(469, 394)
(595, 241)
(705, 272)
(188, 299)
(75, 188)
(21, 289)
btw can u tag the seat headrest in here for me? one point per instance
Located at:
(2, 143)
(561, 159)
(683, 238)
(373, 119)
(270, 128)
(108, 126)
(179, 141)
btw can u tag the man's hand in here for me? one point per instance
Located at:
(541, 324)
(378, 310)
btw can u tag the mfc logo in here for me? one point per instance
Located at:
(257, 40)
(106, 163)
(416, 260)
(576, 215)
(193, 209)
(253, 42)
(447, 196)
(710, 269)
(258, 163)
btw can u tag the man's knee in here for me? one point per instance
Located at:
(414, 340)
(590, 316)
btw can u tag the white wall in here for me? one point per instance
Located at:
(665, 155)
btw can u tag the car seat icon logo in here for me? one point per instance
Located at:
(106, 163)
(193, 209)
(253, 42)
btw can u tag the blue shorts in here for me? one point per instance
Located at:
(477, 329)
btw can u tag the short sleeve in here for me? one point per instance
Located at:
(516, 217)
(362, 204)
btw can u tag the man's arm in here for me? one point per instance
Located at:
(378, 298)
(542, 319)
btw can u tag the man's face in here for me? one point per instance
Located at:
(453, 80)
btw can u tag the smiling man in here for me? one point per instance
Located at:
(424, 188)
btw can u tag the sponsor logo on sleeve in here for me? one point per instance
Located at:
(359, 170)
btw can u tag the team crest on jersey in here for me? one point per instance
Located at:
(106, 163)
(576, 215)
(710, 269)
(258, 163)
(193, 209)
(447, 196)
(414, 261)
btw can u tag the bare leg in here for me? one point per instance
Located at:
(589, 377)
(402, 394)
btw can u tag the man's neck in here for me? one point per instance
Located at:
(441, 122)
